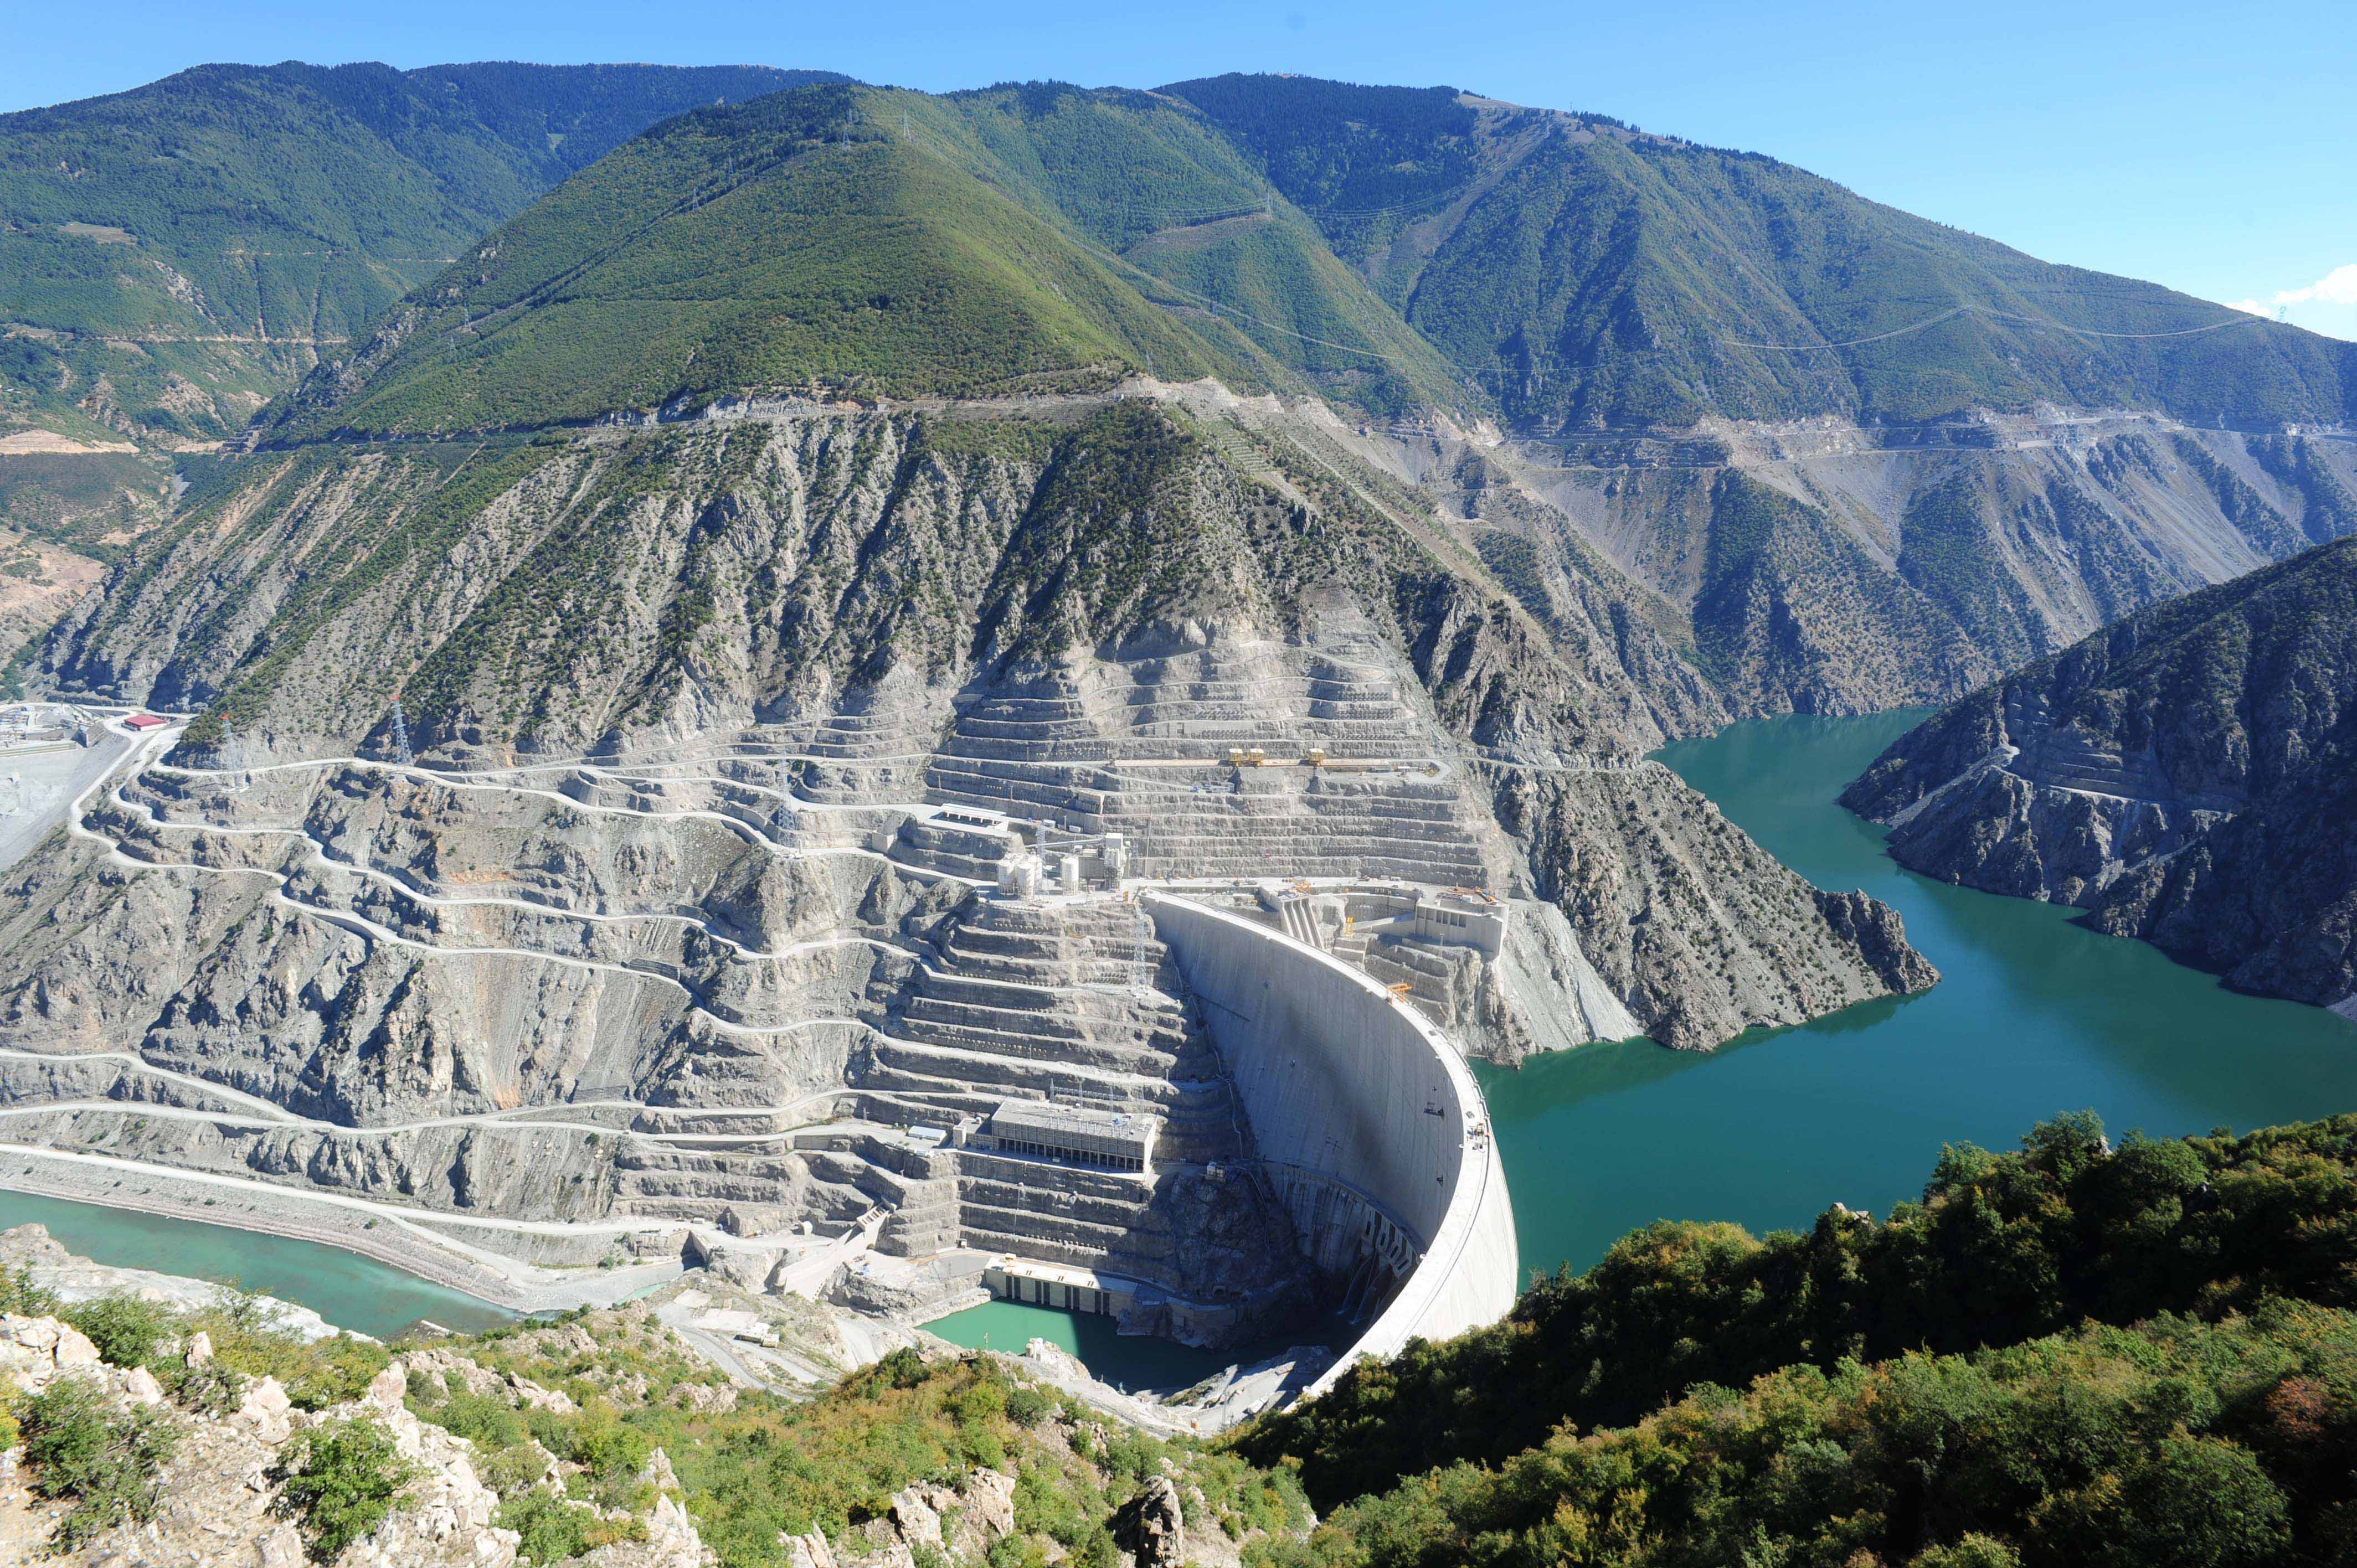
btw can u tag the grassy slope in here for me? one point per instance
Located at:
(1144, 175)
(786, 243)
(887, 243)
(1606, 279)
(281, 203)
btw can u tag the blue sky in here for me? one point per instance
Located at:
(2211, 148)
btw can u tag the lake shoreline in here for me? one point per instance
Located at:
(291, 1217)
(2034, 1015)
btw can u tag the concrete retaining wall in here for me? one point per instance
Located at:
(1356, 1101)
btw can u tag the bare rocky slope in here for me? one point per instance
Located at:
(870, 575)
(772, 635)
(1836, 568)
(2184, 777)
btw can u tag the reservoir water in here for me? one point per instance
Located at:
(1132, 1361)
(348, 1290)
(2032, 1015)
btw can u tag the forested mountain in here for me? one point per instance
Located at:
(2080, 1354)
(841, 239)
(173, 257)
(1588, 276)
(1533, 324)
(2188, 776)
(1277, 235)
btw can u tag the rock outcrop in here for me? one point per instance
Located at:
(1152, 1525)
(216, 1496)
(2185, 777)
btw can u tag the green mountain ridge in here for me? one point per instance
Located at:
(1595, 277)
(858, 239)
(191, 244)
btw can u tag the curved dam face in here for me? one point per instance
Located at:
(1371, 1129)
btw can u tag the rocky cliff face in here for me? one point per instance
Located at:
(2183, 776)
(215, 1497)
(1698, 931)
(680, 706)
(1832, 568)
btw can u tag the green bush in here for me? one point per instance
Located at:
(128, 1332)
(109, 1464)
(339, 1481)
(316, 1373)
(554, 1530)
(487, 1420)
(1028, 1407)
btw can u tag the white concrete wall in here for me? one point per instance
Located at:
(1338, 1079)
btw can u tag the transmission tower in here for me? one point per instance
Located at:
(400, 752)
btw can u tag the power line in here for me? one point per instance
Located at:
(2237, 320)
(1851, 342)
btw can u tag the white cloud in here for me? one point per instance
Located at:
(2252, 305)
(2338, 286)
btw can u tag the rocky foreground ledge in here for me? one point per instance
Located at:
(152, 1420)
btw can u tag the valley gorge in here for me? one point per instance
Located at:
(809, 708)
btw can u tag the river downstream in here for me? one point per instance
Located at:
(2032, 1015)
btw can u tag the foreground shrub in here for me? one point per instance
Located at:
(339, 1481)
(128, 1332)
(554, 1530)
(110, 1463)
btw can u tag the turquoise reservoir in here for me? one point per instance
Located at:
(2032, 1015)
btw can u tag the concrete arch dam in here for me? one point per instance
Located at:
(1367, 1121)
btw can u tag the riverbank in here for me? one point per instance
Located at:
(346, 1225)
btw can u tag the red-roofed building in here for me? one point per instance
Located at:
(145, 721)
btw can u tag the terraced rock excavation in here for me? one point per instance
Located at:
(589, 1013)
(1070, 870)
